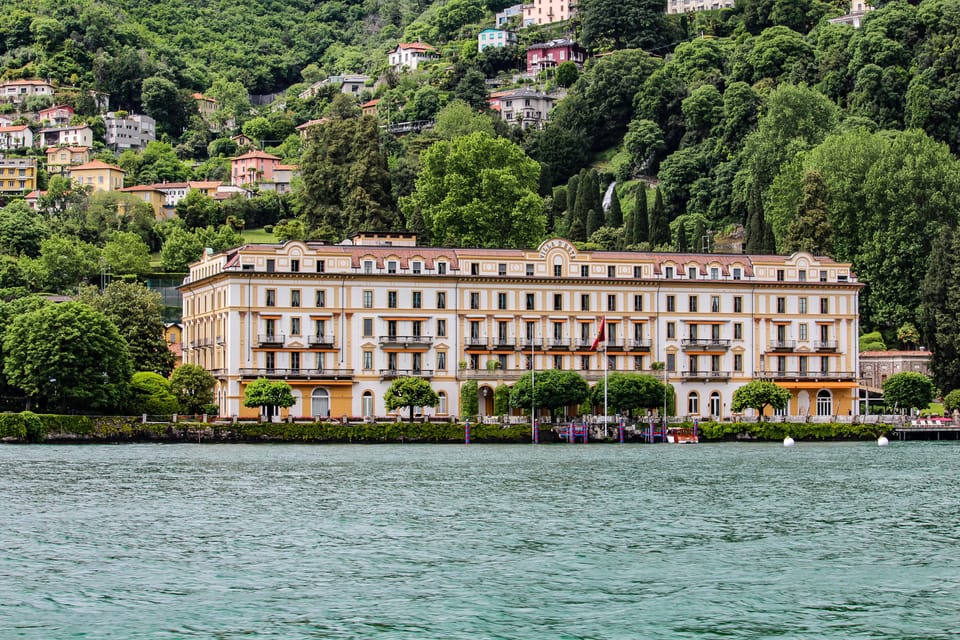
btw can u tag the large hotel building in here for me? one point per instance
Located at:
(340, 322)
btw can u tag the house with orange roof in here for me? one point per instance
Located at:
(153, 196)
(283, 176)
(98, 175)
(409, 55)
(60, 159)
(33, 198)
(56, 116)
(16, 137)
(18, 175)
(207, 107)
(16, 91)
(304, 128)
(253, 167)
(75, 136)
(370, 108)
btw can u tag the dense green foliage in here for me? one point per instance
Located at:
(410, 392)
(759, 394)
(908, 390)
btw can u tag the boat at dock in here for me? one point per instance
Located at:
(682, 435)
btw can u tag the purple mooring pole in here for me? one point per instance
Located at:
(466, 432)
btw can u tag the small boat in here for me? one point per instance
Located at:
(682, 435)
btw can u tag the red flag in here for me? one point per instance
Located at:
(601, 334)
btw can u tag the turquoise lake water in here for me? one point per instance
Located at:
(474, 542)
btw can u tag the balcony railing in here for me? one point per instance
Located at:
(270, 340)
(558, 343)
(707, 344)
(527, 343)
(705, 375)
(825, 345)
(582, 344)
(638, 345)
(491, 374)
(782, 345)
(299, 374)
(475, 342)
(390, 374)
(325, 340)
(406, 342)
(203, 342)
(503, 343)
(807, 375)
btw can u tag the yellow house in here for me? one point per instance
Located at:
(60, 159)
(152, 196)
(18, 175)
(98, 175)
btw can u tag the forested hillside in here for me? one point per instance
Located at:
(765, 128)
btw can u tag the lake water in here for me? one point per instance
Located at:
(474, 542)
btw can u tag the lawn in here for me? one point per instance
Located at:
(258, 236)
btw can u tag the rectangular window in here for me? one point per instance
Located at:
(442, 360)
(392, 299)
(321, 266)
(824, 305)
(474, 300)
(417, 301)
(611, 302)
(558, 362)
(803, 275)
(611, 271)
(558, 302)
(671, 362)
(692, 273)
(737, 273)
(671, 330)
(781, 305)
(802, 331)
(557, 270)
(271, 265)
(671, 304)
(441, 328)
(368, 299)
(738, 362)
(501, 301)
(638, 303)
(585, 363)
(441, 299)
(502, 269)
(417, 267)
(714, 304)
(368, 359)
(271, 297)
(823, 276)
(529, 269)
(668, 272)
(693, 304)
(584, 271)
(738, 304)
(780, 275)
(391, 266)
(295, 266)
(367, 327)
(637, 272)
(530, 301)
(320, 298)
(295, 297)
(368, 266)
(738, 331)
(474, 268)
(803, 305)
(294, 326)
(714, 273)
(584, 302)
(442, 268)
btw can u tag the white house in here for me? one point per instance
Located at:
(409, 55)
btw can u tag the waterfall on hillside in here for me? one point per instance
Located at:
(609, 195)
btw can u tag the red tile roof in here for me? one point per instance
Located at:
(97, 164)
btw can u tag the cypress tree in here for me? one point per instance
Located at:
(699, 243)
(573, 187)
(641, 217)
(659, 227)
(614, 213)
(769, 241)
(682, 238)
(753, 231)
(940, 297)
(593, 222)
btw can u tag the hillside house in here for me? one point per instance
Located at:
(16, 91)
(503, 16)
(689, 6)
(153, 196)
(549, 55)
(548, 11)
(17, 175)
(135, 131)
(75, 136)
(495, 38)
(56, 116)
(526, 108)
(351, 85)
(60, 159)
(409, 55)
(253, 168)
(98, 175)
(16, 137)
(370, 108)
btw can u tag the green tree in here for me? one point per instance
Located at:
(469, 399)
(951, 401)
(810, 230)
(268, 396)
(196, 209)
(623, 25)
(659, 228)
(21, 230)
(126, 253)
(645, 144)
(872, 341)
(553, 389)
(137, 313)
(150, 393)
(614, 211)
(460, 119)
(163, 102)
(68, 356)
(180, 249)
(410, 392)
(759, 394)
(567, 74)
(628, 392)
(908, 336)
(68, 262)
(641, 217)
(908, 390)
(193, 387)
(479, 191)
(940, 316)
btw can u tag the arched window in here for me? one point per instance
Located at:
(367, 408)
(320, 403)
(824, 403)
(442, 403)
(693, 403)
(715, 404)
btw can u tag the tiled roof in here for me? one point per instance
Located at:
(256, 154)
(96, 164)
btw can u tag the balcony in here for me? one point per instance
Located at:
(706, 376)
(203, 342)
(475, 342)
(782, 345)
(325, 340)
(825, 345)
(406, 342)
(638, 345)
(584, 344)
(299, 374)
(503, 343)
(558, 343)
(390, 374)
(491, 374)
(813, 376)
(706, 344)
(270, 340)
(531, 343)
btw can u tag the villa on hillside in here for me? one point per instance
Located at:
(60, 159)
(689, 6)
(152, 196)
(75, 136)
(548, 11)
(548, 55)
(98, 175)
(56, 116)
(261, 169)
(495, 38)
(351, 85)
(503, 16)
(134, 131)
(858, 10)
(526, 108)
(18, 175)
(409, 55)
(17, 91)
(16, 137)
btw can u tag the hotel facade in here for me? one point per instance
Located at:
(340, 322)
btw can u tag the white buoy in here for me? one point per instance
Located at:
(788, 442)
(882, 441)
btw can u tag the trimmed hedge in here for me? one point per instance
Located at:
(796, 430)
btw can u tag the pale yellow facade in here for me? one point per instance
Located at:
(340, 322)
(98, 176)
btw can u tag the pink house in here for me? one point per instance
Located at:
(548, 55)
(56, 116)
(253, 167)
